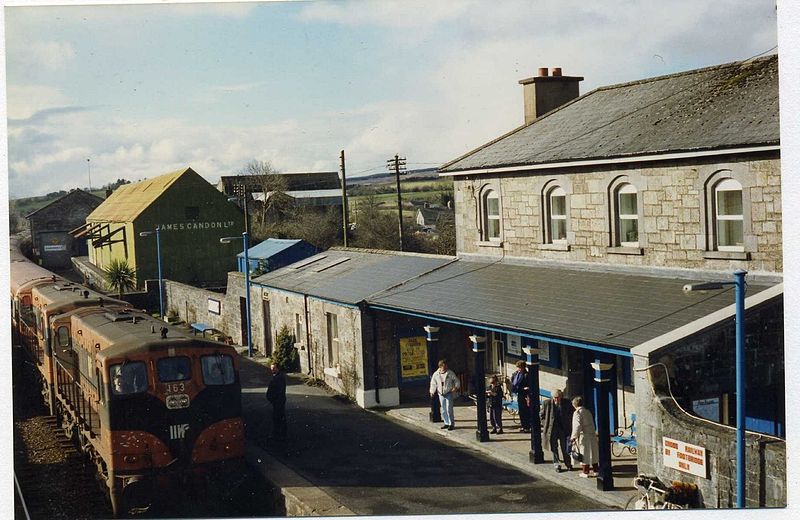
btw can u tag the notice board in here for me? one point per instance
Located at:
(413, 357)
(685, 457)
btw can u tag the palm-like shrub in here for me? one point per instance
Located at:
(120, 276)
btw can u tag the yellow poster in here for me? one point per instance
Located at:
(413, 357)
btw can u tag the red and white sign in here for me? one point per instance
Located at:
(685, 457)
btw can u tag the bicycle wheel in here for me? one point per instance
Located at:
(630, 505)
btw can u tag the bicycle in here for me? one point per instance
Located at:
(653, 495)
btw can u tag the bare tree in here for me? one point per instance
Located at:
(272, 184)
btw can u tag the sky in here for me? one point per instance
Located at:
(142, 90)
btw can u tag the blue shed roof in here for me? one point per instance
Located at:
(269, 248)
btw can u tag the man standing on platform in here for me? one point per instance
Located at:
(276, 395)
(556, 416)
(519, 386)
(446, 383)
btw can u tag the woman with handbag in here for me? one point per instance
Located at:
(584, 438)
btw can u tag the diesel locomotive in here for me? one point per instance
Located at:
(156, 410)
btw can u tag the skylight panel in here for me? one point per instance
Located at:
(333, 263)
(308, 261)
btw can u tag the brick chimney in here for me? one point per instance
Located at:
(544, 92)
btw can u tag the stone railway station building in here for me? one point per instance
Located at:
(576, 233)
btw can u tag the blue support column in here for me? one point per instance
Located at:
(479, 348)
(536, 455)
(432, 338)
(247, 293)
(603, 368)
(741, 390)
(160, 276)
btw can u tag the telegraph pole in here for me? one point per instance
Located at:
(240, 190)
(398, 163)
(89, 170)
(344, 199)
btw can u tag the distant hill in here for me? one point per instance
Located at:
(388, 177)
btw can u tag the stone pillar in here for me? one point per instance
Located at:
(432, 338)
(536, 455)
(603, 370)
(479, 348)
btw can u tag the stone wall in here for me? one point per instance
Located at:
(675, 214)
(659, 417)
(191, 305)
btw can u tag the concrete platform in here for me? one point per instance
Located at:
(513, 448)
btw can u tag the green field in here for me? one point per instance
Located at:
(425, 190)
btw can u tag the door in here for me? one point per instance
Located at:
(243, 318)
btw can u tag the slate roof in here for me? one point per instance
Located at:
(129, 200)
(356, 275)
(598, 307)
(269, 247)
(725, 106)
(72, 197)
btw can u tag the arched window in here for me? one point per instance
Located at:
(557, 215)
(491, 212)
(728, 216)
(628, 216)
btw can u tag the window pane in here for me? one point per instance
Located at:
(128, 378)
(558, 229)
(174, 369)
(217, 370)
(558, 205)
(628, 230)
(494, 228)
(492, 206)
(730, 233)
(63, 337)
(729, 202)
(627, 204)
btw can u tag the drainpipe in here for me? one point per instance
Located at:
(308, 332)
(375, 358)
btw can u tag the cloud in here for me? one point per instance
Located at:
(43, 115)
(22, 101)
(407, 14)
(48, 55)
(236, 88)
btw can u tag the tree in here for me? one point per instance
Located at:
(320, 229)
(375, 229)
(284, 353)
(273, 185)
(120, 276)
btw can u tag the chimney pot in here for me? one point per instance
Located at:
(542, 72)
(557, 72)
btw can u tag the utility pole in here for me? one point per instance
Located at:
(89, 169)
(240, 190)
(344, 199)
(398, 163)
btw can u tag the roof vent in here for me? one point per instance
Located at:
(120, 316)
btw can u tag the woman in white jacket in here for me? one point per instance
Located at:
(584, 436)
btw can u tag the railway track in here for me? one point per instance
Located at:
(51, 479)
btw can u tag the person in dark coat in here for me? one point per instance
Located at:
(276, 395)
(556, 416)
(495, 395)
(519, 386)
